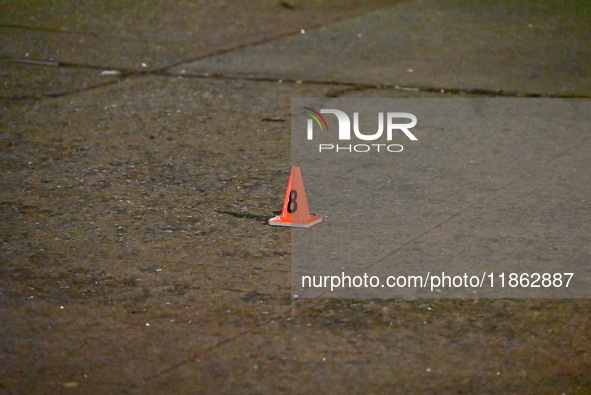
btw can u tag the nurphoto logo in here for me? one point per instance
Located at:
(395, 122)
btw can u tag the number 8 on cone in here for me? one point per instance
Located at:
(295, 210)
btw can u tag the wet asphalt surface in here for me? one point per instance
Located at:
(143, 147)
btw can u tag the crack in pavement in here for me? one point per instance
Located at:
(124, 73)
(268, 40)
(165, 71)
(57, 63)
(356, 86)
(231, 49)
(217, 345)
(197, 355)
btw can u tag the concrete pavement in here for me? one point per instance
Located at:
(135, 254)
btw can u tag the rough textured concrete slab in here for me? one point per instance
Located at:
(532, 46)
(128, 34)
(132, 205)
(145, 203)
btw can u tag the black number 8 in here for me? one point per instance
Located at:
(292, 205)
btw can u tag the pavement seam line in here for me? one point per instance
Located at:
(352, 86)
(58, 63)
(162, 69)
(363, 86)
(268, 40)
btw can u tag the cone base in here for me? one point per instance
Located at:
(277, 221)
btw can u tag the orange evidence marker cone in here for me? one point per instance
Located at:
(295, 210)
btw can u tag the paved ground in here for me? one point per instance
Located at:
(129, 131)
